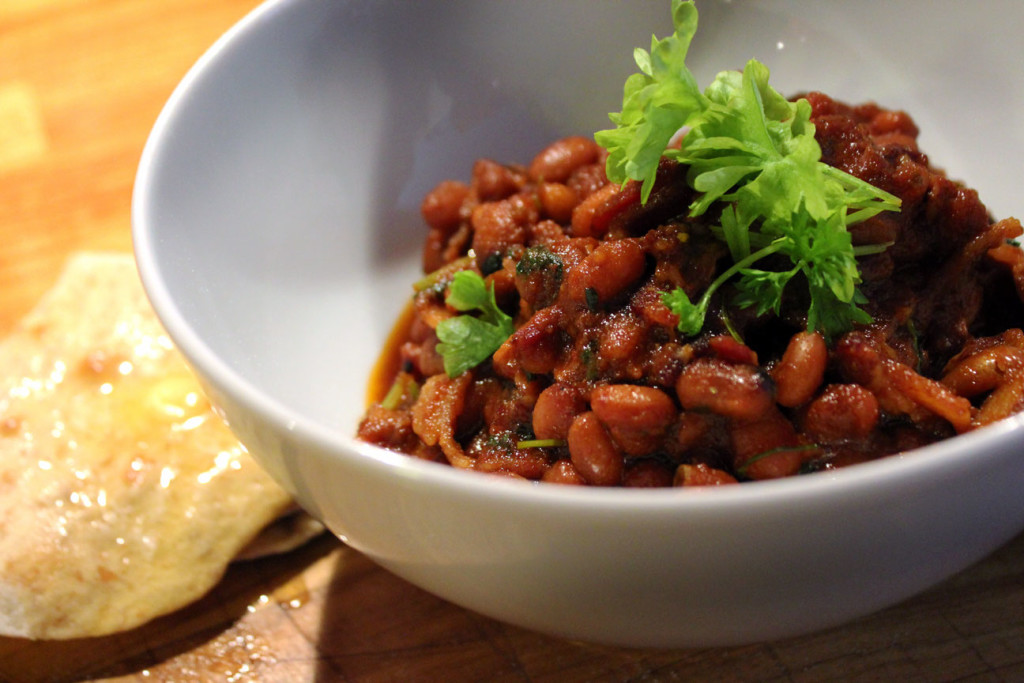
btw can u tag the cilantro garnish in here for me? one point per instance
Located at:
(752, 151)
(465, 340)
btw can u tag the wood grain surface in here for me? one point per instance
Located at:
(81, 82)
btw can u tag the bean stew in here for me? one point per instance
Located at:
(595, 384)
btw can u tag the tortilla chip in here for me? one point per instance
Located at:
(123, 496)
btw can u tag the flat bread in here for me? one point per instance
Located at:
(288, 532)
(123, 496)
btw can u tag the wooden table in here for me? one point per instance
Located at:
(81, 82)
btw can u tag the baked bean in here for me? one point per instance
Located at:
(691, 430)
(646, 474)
(548, 232)
(492, 181)
(555, 410)
(726, 347)
(842, 411)
(441, 207)
(434, 250)
(586, 180)
(592, 452)
(622, 337)
(738, 391)
(635, 416)
(701, 475)
(630, 407)
(535, 347)
(651, 306)
(558, 160)
(562, 472)
(573, 250)
(609, 271)
(500, 224)
(887, 122)
(557, 201)
(801, 370)
(583, 215)
(767, 448)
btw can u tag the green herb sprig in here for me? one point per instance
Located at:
(465, 340)
(752, 152)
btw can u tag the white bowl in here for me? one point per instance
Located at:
(277, 232)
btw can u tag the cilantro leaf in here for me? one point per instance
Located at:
(752, 152)
(466, 341)
(691, 315)
(656, 103)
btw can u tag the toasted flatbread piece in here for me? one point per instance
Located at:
(122, 495)
(290, 531)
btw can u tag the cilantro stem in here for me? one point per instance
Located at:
(540, 443)
(691, 317)
(437, 276)
(742, 469)
(403, 384)
(868, 249)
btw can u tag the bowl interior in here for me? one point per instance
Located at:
(276, 210)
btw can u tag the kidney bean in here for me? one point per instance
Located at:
(556, 407)
(610, 270)
(557, 161)
(737, 391)
(801, 370)
(842, 411)
(592, 452)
